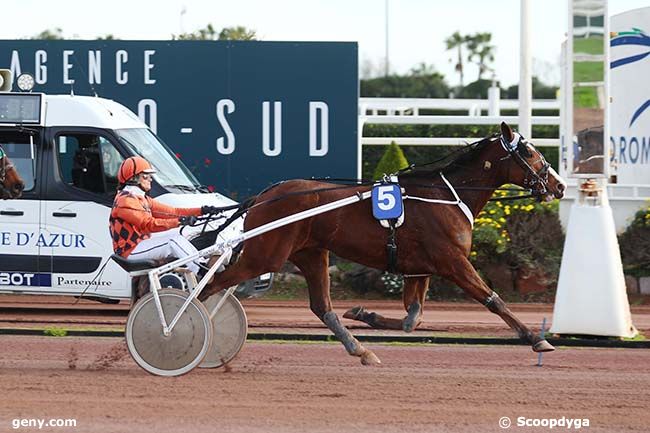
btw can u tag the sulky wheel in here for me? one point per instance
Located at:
(230, 328)
(177, 353)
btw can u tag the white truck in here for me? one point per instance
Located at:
(55, 238)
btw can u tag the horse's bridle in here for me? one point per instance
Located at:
(536, 181)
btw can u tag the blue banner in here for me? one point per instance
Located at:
(25, 279)
(241, 115)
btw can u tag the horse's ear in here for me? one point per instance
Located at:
(507, 133)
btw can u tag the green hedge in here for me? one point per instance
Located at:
(524, 234)
(392, 161)
(635, 245)
(423, 154)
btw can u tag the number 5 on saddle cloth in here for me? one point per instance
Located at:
(387, 202)
(388, 208)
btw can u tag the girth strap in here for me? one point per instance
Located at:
(391, 247)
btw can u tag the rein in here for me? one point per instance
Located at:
(538, 178)
(482, 188)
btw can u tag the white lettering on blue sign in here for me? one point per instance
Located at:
(316, 107)
(15, 279)
(148, 66)
(276, 149)
(25, 279)
(95, 67)
(15, 64)
(121, 57)
(40, 70)
(69, 64)
(387, 202)
(149, 105)
(318, 123)
(225, 146)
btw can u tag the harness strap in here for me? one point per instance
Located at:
(457, 202)
(415, 275)
(391, 248)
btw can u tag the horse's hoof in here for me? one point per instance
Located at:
(354, 313)
(369, 358)
(409, 325)
(543, 346)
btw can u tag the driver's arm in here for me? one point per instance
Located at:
(160, 210)
(130, 210)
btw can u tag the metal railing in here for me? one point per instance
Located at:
(406, 111)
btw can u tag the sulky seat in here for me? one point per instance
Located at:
(134, 265)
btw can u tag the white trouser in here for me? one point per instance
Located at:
(170, 243)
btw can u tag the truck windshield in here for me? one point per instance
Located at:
(171, 172)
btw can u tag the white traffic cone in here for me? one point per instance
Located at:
(591, 298)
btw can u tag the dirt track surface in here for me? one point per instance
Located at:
(318, 388)
(470, 319)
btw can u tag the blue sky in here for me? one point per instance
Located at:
(417, 28)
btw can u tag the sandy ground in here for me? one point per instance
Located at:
(470, 319)
(273, 387)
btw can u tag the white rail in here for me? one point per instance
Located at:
(406, 111)
(372, 106)
(458, 120)
(443, 141)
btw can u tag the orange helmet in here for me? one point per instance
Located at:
(131, 167)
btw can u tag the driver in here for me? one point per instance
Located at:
(143, 228)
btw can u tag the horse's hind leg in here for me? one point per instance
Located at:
(415, 289)
(463, 273)
(314, 265)
(414, 302)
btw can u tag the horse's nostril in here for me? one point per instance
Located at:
(19, 187)
(561, 187)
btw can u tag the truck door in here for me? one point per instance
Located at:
(20, 269)
(75, 214)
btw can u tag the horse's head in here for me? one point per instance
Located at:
(11, 185)
(526, 167)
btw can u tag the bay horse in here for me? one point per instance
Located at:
(11, 185)
(434, 239)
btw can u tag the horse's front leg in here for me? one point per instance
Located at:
(414, 292)
(465, 276)
(314, 265)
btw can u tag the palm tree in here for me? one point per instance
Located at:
(239, 33)
(50, 34)
(209, 33)
(456, 41)
(479, 48)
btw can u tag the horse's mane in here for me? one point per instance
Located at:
(451, 161)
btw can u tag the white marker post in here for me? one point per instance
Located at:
(591, 297)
